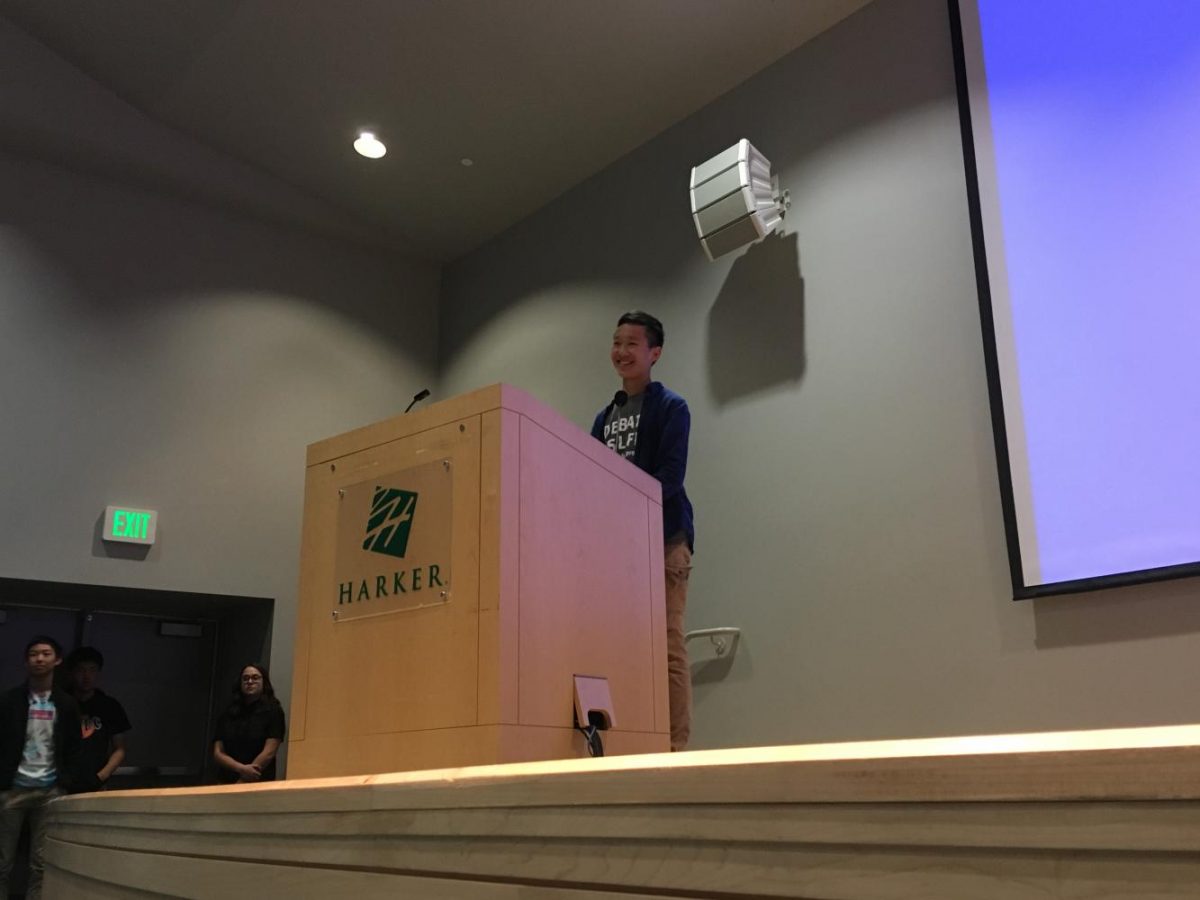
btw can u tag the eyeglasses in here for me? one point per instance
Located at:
(251, 678)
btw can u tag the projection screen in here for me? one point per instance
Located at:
(1081, 136)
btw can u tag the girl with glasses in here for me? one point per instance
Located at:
(250, 730)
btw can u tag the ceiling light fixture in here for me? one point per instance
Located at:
(369, 146)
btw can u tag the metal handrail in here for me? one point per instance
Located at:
(724, 640)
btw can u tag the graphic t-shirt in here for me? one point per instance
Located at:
(37, 759)
(103, 718)
(621, 424)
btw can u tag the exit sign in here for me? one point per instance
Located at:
(130, 526)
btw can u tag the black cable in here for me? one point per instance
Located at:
(591, 736)
(595, 744)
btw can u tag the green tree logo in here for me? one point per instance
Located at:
(390, 521)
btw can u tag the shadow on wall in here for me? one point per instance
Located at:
(756, 325)
(1139, 612)
(711, 671)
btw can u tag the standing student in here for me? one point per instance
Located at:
(39, 757)
(649, 424)
(250, 730)
(103, 717)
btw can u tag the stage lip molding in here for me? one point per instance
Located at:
(1086, 814)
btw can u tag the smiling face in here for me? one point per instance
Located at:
(632, 356)
(252, 683)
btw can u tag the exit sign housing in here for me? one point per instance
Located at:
(130, 526)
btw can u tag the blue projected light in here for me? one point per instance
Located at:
(1086, 120)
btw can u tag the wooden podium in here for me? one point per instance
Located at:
(459, 565)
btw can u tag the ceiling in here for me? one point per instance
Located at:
(540, 94)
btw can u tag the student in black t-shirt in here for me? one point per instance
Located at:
(104, 721)
(250, 731)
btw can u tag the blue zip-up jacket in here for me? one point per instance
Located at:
(662, 449)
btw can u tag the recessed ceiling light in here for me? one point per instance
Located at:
(369, 145)
(467, 161)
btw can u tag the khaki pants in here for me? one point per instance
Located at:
(679, 673)
(15, 805)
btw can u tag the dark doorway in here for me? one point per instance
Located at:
(169, 658)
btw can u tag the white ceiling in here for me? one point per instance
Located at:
(541, 94)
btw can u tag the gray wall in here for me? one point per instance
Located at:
(842, 464)
(165, 342)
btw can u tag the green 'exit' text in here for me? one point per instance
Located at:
(126, 523)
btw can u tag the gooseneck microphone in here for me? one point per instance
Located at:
(417, 398)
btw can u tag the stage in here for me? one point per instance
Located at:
(1089, 814)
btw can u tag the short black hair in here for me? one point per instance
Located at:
(82, 655)
(654, 328)
(44, 639)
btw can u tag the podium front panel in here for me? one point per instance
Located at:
(380, 674)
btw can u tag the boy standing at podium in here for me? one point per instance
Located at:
(648, 424)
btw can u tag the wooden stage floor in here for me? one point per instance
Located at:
(1082, 815)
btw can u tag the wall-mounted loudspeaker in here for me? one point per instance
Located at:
(734, 199)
